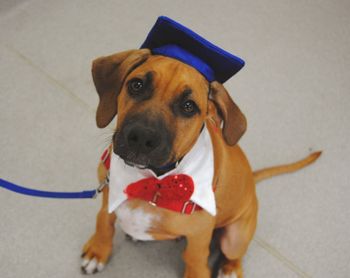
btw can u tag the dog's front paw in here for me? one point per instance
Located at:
(91, 266)
(95, 255)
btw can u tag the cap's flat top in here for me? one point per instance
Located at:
(167, 31)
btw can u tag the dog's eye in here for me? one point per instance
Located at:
(135, 85)
(189, 107)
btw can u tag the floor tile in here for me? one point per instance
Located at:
(8, 6)
(303, 105)
(46, 135)
(47, 142)
(259, 263)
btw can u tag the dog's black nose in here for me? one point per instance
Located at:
(142, 140)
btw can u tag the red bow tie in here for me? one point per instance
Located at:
(171, 192)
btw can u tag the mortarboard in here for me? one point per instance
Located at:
(170, 38)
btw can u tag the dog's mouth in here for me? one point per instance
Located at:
(154, 160)
(140, 163)
(139, 166)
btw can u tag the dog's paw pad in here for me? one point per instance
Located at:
(91, 266)
(230, 275)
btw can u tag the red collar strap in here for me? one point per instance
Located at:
(172, 192)
(106, 157)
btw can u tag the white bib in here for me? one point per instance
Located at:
(198, 164)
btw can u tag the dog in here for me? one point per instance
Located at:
(163, 105)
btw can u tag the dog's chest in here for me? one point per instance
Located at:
(136, 222)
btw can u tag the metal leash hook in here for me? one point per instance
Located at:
(102, 186)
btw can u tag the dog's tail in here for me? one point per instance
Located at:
(265, 173)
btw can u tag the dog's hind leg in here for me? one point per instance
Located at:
(98, 249)
(234, 243)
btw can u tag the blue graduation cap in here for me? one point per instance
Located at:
(170, 38)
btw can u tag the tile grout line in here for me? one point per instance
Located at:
(50, 78)
(274, 252)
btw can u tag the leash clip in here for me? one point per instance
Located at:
(102, 186)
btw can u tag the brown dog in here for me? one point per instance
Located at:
(174, 102)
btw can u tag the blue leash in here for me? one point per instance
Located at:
(49, 194)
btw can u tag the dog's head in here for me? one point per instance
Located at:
(162, 105)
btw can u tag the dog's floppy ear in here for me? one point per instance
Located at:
(109, 73)
(235, 123)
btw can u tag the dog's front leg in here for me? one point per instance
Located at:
(98, 249)
(196, 255)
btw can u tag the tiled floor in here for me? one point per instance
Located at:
(295, 91)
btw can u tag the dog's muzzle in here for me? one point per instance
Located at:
(143, 142)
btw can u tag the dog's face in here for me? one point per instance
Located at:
(162, 104)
